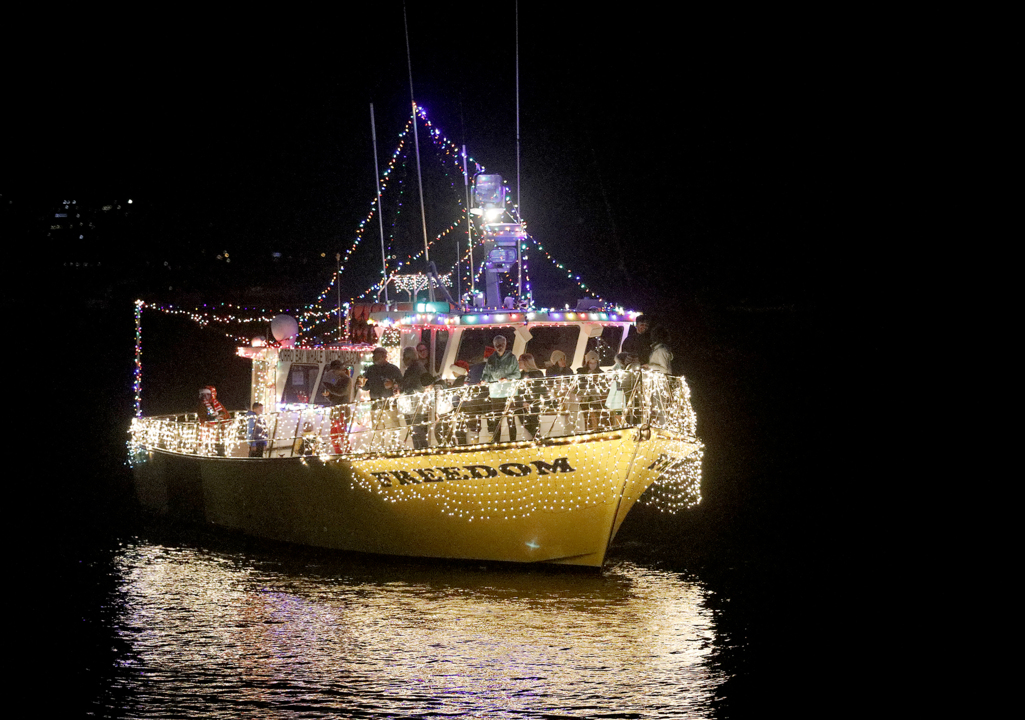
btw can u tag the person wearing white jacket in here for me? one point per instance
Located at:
(661, 357)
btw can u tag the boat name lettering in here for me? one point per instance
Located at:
(301, 355)
(471, 472)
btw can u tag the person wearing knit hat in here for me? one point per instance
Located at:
(557, 365)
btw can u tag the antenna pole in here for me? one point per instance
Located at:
(416, 143)
(519, 201)
(380, 214)
(338, 287)
(469, 222)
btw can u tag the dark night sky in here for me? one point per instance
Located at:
(662, 157)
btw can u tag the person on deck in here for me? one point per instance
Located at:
(530, 396)
(210, 409)
(256, 431)
(374, 377)
(337, 384)
(476, 370)
(451, 427)
(381, 381)
(639, 341)
(588, 391)
(499, 370)
(661, 358)
(557, 365)
(412, 384)
(211, 413)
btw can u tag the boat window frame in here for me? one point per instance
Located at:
(488, 332)
(569, 347)
(311, 390)
(607, 350)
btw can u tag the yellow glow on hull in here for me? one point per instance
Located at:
(560, 502)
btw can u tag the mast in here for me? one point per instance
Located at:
(519, 201)
(380, 210)
(469, 226)
(416, 143)
(338, 288)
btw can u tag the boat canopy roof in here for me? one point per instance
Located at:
(427, 314)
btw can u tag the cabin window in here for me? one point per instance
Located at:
(548, 339)
(474, 340)
(607, 344)
(440, 343)
(325, 380)
(299, 383)
(425, 339)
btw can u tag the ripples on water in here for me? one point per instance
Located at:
(235, 634)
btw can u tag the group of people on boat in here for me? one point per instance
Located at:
(499, 400)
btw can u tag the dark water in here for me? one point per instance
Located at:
(222, 630)
(715, 612)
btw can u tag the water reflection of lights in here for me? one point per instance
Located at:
(206, 629)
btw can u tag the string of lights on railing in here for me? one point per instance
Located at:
(525, 483)
(312, 317)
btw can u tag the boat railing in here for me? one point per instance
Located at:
(525, 410)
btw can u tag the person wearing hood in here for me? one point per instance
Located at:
(211, 413)
(210, 409)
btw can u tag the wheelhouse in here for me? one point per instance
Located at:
(289, 376)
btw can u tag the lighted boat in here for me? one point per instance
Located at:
(536, 470)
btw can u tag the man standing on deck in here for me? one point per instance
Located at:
(638, 342)
(382, 380)
(375, 377)
(500, 368)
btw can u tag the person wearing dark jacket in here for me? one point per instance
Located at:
(557, 365)
(379, 377)
(638, 342)
(381, 381)
(336, 384)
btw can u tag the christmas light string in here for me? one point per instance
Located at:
(137, 372)
(313, 316)
(521, 487)
(448, 150)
